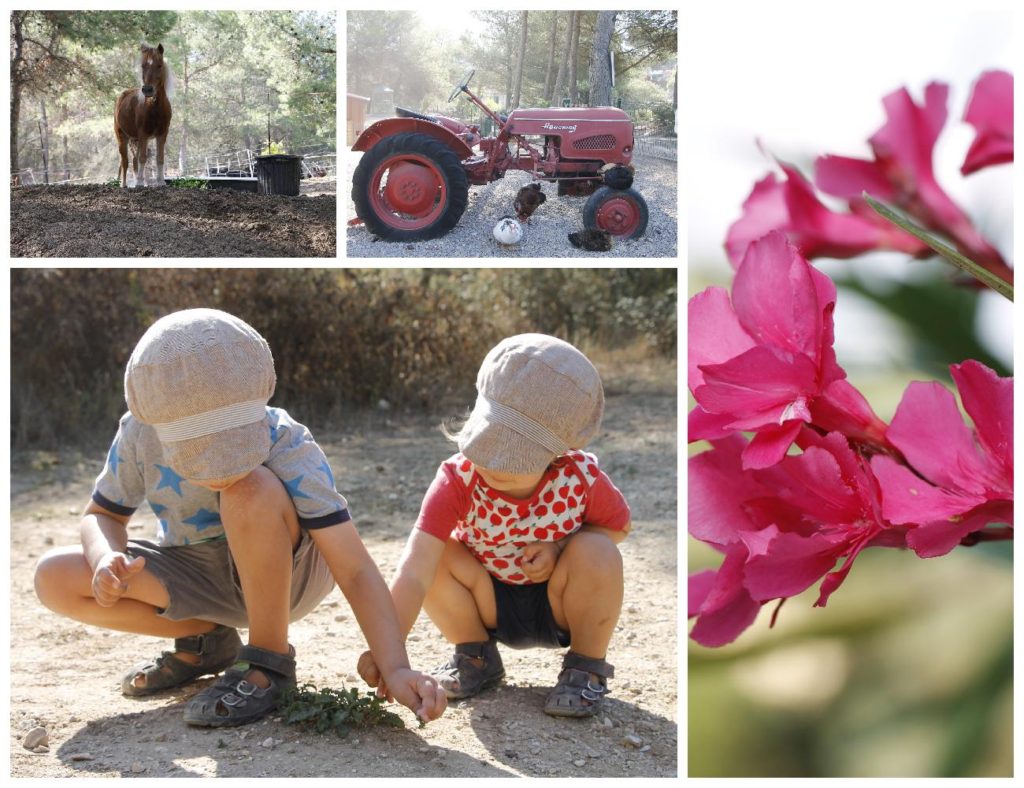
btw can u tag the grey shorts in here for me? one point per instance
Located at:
(202, 582)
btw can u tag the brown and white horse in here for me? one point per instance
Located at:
(144, 113)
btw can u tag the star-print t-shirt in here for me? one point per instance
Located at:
(495, 527)
(136, 471)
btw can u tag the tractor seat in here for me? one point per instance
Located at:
(402, 112)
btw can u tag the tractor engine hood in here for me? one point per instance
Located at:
(604, 133)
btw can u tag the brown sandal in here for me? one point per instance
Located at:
(472, 668)
(216, 650)
(576, 694)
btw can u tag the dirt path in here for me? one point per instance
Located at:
(106, 221)
(65, 676)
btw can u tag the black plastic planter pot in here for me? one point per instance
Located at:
(279, 174)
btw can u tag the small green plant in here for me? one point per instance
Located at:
(342, 710)
(112, 182)
(188, 183)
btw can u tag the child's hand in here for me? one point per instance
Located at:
(418, 692)
(112, 575)
(371, 674)
(539, 559)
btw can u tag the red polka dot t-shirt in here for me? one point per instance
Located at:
(495, 527)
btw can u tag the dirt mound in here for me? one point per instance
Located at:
(106, 221)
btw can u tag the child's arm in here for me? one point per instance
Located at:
(615, 535)
(409, 586)
(104, 542)
(364, 588)
(414, 576)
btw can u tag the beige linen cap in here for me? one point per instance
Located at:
(202, 378)
(537, 397)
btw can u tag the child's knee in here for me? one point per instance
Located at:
(52, 577)
(251, 500)
(594, 551)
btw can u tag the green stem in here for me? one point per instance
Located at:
(983, 275)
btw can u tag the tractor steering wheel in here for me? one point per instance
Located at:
(463, 86)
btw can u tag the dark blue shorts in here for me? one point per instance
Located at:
(525, 619)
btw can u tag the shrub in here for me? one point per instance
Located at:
(341, 338)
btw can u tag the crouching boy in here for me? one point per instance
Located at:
(252, 532)
(516, 541)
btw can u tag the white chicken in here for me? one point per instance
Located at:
(508, 231)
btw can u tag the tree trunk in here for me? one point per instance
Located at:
(508, 72)
(183, 141)
(44, 140)
(556, 92)
(600, 62)
(549, 76)
(521, 60)
(17, 17)
(574, 47)
(64, 140)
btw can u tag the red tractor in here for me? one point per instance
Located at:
(412, 182)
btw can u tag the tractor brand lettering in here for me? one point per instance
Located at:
(552, 127)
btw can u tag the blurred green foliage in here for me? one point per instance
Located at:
(341, 338)
(907, 672)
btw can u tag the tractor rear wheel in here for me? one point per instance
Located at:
(410, 187)
(622, 212)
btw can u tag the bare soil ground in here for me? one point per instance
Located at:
(107, 221)
(65, 676)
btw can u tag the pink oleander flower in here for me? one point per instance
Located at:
(782, 529)
(958, 480)
(762, 361)
(790, 205)
(990, 111)
(901, 173)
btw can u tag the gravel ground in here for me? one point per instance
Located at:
(547, 233)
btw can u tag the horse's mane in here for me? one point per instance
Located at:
(169, 80)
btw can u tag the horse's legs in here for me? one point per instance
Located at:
(160, 140)
(122, 148)
(143, 153)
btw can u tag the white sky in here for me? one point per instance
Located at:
(808, 79)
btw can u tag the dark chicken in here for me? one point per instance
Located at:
(592, 240)
(529, 197)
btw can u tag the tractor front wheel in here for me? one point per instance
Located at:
(622, 212)
(410, 187)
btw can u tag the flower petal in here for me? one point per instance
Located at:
(726, 608)
(761, 380)
(907, 498)
(842, 176)
(714, 333)
(704, 426)
(990, 111)
(764, 210)
(930, 432)
(792, 564)
(988, 400)
(842, 408)
(770, 445)
(775, 296)
(930, 540)
(718, 490)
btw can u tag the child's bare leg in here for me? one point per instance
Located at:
(63, 582)
(585, 592)
(460, 601)
(262, 530)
